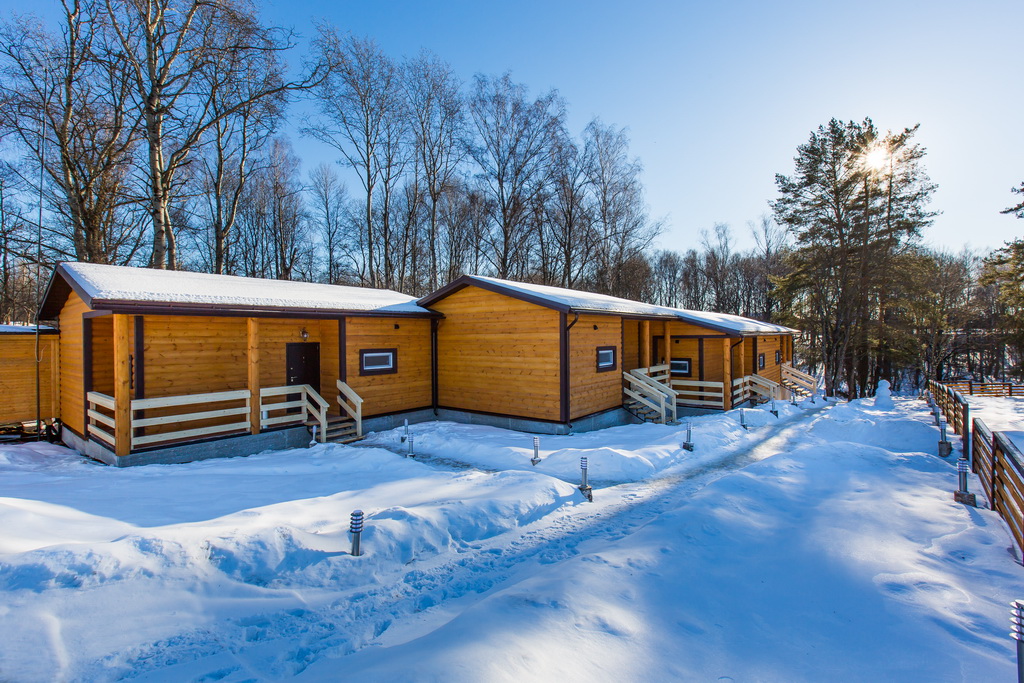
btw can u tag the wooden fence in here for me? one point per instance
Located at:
(987, 388)
(954, 408)
(1000, 467)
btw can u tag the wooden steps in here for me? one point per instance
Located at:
(339, 429)
(641, 411)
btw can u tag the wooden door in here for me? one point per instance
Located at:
(303, 367)
(303, 361)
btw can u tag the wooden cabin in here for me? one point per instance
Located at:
(153, 361)
(20, 372)
(535, 355)
(154, 365)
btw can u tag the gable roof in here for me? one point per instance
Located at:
(145, 290)
(575, 301)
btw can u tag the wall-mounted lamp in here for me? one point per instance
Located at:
(304, 334)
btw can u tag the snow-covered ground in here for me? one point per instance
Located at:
(822, 545)
(1000, 414)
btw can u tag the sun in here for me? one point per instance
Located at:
(876, 158)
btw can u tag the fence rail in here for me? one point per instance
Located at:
(96, 417)
(1000, 467)
(954, 408)
(972, 388)
(172, 424)
(301, 402)
(699, 394)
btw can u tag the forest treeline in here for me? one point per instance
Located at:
(157, 133)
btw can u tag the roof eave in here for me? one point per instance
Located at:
(215, 309)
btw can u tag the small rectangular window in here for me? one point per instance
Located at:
(378, 361)
(605, 358)
(778, 357)
(760, 361)
(681, 367)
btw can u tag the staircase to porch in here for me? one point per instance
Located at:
(647, 395)
(344, 428)
(797, 382)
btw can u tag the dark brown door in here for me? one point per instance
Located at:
(303, 361)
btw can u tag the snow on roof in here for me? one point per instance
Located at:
(146, 285)
(580, 300)
(590, 301)
(735, 323)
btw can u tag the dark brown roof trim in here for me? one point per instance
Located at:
(470, 281)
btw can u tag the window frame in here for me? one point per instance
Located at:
(675, 373)
(760, 361)
(778, 356)
(615, 359)
(375, 370)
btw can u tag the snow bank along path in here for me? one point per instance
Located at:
(237, 570)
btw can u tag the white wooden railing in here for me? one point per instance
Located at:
(648, 387)
(757, 388)
(699, 393)
(351, 403)
(799, 379)
(307, 400)
(171, 425)
(96, 418)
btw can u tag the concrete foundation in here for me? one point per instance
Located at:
(609, 418)
(229, 447)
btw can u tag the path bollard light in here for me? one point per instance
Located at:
(792, 399)
(1017, 633)
(688, 444)
(773, 410)
(536, 451)
(937, 414)
(585, 488)
(961, 495)
(405, 436)
(355, 527)
(412, 451)
(743, 419)
(945, 447)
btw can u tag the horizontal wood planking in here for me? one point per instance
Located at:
(102, 354)
(498, 355)
(72, 376)
(768, 345)
(591, 391)
(330, 371)
(406, 389)
(630, 344)
(18, 377)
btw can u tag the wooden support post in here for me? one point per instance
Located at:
(253, 363)
(666, 341)
(645, 343)
(123, 345)
(727, 373)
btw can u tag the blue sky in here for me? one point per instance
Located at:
(717, 95)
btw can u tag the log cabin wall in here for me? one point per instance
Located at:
(498, 355)
(687, 349)
(102, 332)
(408, 388)
(768, 345)
(18, 377)
(72, 365)
(630, 345)
(592, 390)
